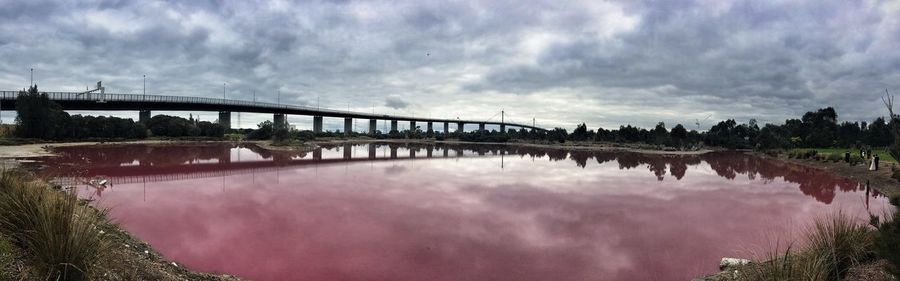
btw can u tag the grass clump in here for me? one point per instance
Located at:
(833, 246)
(53, 228)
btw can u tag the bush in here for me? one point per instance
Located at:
(835, 157)
(841, 243)
(52, 227)
(887, 242)
(833, 246)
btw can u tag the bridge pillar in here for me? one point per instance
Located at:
(348, 151)
(373, 124)
(481, 127)
(429, 151)
(393, 152)
(460, 127)
(393, 125)
(412, 152)
(446, 127)
(279, 120)
(225, 119)
(503, 128)
(317, 154)
(412, 126)
(144, 116)
(317, 124)
(348, 126)
(430, 129)
(446, 152)
(372, 150)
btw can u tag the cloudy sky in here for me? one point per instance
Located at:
(605, 63)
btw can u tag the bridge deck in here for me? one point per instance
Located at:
(111, 101)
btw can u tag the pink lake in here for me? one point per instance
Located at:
(452, 212)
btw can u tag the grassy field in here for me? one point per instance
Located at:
(883, 154)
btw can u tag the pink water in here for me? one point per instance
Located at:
(457, 212)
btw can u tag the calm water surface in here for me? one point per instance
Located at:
(388, 212)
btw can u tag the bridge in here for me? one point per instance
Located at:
(145, 104)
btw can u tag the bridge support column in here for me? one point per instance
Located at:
(373, 124)
(481, 127)
(412, 152)
(279, 120)
(446, 128)
(348, 126)
(412, 126)
(393, 125)
(317, 124)
(225, 119)
(460, 127)
(372, 150)
(430, 128)
(144, 116)
(348, 151)
(503, 128)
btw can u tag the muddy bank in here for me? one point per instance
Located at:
(578, 146)
(879, 180)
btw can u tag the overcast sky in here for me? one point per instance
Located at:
(605, 63)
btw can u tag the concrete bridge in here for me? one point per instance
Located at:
(145, 104)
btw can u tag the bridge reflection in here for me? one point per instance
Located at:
(123, 164)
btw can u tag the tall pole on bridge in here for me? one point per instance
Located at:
(145, 86)
(32, 78)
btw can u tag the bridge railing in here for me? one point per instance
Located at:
(98, 97)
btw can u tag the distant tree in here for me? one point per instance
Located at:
(679, 135)
(264, 131)
(580, 133)
(660, 134)
(557, 135)
(879, 133)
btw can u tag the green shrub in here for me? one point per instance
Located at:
(835, 157)
(7, 251)
(51, 227)
(887, 242)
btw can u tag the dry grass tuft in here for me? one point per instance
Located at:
(53, 228)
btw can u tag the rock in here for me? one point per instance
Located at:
(732, 262)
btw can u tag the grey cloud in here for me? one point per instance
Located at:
(679, 61)
(395, 103)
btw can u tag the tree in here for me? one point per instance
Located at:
(264, 131)
(660, 134)
(580, 133)
(557, 135)
(679, 134)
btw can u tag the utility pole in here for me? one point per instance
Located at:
(32, 77)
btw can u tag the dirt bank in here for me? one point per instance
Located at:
(879, 180)
(580, 146)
